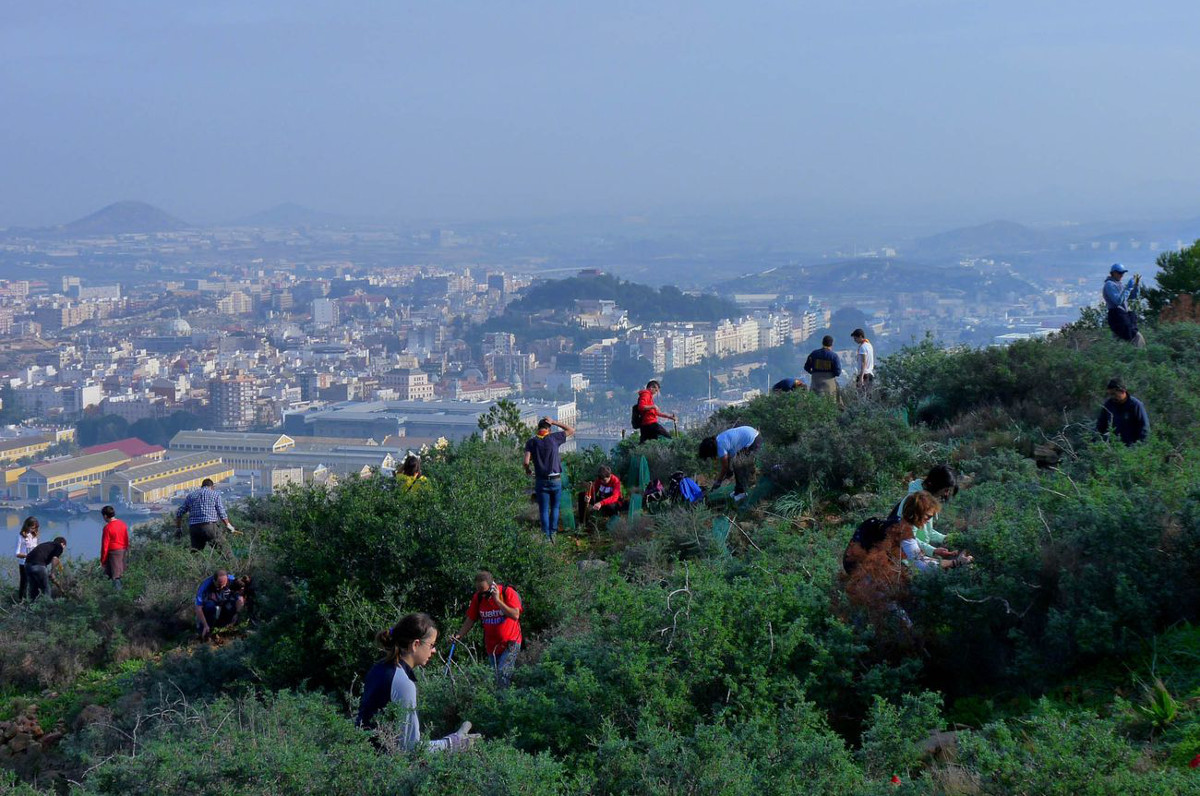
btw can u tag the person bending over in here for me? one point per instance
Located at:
(734, 449)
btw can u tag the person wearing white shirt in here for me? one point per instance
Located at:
(27, 539)
(865, 359)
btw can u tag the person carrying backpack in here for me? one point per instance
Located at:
(498, 608)
(646, 414)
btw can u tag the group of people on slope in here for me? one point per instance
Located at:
(37, 560)
(824, 367)
(410, 644)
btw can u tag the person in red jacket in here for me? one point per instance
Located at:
(649, 413)
(114, 544)
(603, 495)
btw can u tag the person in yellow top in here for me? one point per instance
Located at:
(409, 475)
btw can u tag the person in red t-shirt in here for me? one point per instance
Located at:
(498, 608)
(114, 543)
(649, 413)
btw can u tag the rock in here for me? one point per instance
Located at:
(92, 714)
(20, 742)
(940, 745)
(858, 502)
(51, 738)
(592, 565)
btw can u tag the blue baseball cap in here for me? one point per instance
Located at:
(1117, 268)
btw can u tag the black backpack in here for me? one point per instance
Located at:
(635, 417)
(867, 535)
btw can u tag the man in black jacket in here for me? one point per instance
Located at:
(1124, 414)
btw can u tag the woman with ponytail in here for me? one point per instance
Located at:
(407, 645)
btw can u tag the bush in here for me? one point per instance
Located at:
(358, 556)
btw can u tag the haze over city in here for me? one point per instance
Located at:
(866, 116)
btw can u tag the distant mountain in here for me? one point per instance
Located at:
(995, 237)
(868, 277)
(124, 217)
(290, 214)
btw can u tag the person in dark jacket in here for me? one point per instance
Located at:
(1123, 414)
(39, 564)
(824, 366)
(788, 385)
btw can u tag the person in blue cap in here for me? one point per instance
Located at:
(1117, 297)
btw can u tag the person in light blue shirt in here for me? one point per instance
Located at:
(1117, 296)
(735, 449)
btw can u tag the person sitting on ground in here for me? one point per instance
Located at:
(824, 366)
(38, 564)
(650, 428)
(409, 475)
(27, 539)
(603, 495)
(219, 602)
(498, 608)
(919, 509)
(735, 449)
(865, 360)
(942, 483)
(1124, 414)
(542, 460)
(788, 385)
(408, 644)
(1121, 319)
(205, 509)
(114, 544)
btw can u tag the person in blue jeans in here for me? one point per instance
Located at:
(543, 462)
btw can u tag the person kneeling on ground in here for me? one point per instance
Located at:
(879, 580)
(735, 448)
(919, 509)
(408, 644)
(498, 608)
(220, 601)
(603, 495)
(942, 483)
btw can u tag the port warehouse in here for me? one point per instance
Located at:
(193, 456)
(158, 481)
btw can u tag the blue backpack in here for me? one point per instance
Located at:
(690, 490)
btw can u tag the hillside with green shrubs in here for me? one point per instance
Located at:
(675, 653)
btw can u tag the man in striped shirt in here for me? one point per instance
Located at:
(205, 510)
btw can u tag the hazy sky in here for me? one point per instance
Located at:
(921, 110)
